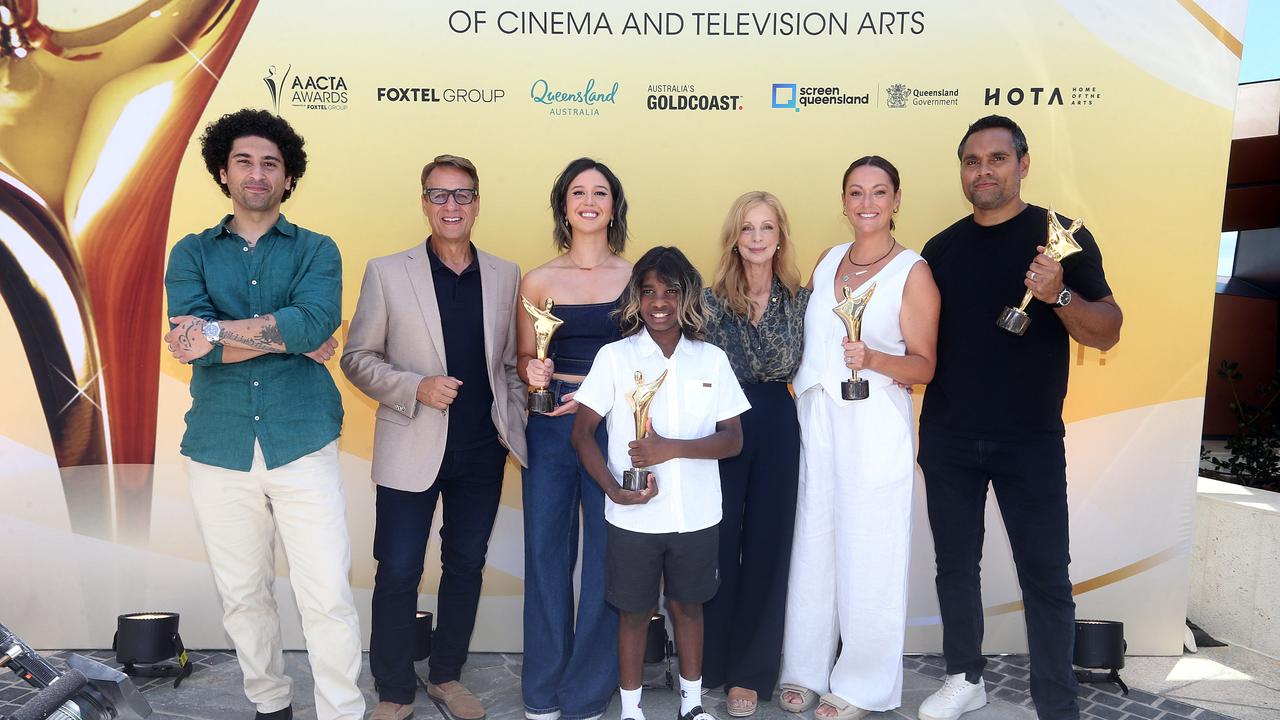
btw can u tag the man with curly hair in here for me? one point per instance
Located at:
(254, 302)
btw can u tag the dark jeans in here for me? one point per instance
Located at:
(570, 659)
(743, 630)
(1029, 478)
(471, 483)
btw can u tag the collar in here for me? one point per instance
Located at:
(646, 346)
(282, 226)
(438, 264)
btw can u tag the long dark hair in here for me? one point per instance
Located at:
(874, 161)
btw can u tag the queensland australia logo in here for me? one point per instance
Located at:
(690, 97)
(574, 101)
(900, 96)
(792, 96)
(305, 92)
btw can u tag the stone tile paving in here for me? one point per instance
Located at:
(213, 692)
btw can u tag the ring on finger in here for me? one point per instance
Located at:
(1033, 274)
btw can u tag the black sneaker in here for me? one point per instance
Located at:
(282, 714)
(697, 713)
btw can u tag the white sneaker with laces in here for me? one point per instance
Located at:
(956, 697)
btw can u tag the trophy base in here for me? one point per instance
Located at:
(1013, 320)
(541, 401)
(855, 389)
(636, 479)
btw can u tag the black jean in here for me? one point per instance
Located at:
(471, 483)
(1029, 478)
(743, 630)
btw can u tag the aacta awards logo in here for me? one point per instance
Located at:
(305, 92)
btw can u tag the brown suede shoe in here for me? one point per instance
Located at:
(391, 711)
(461, 703)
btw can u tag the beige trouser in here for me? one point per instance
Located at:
(238, 513)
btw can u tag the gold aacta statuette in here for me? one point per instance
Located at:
(1061, 243)
(94, 123)
(640, 399)
(544, 326)
(850, 311)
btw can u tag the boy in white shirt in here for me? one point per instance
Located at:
(667, 537)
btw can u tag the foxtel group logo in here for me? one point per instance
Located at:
(307, 92)
(791, 96)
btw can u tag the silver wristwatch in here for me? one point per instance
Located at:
(213, 332)
(1064, 299)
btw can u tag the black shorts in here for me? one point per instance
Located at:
(687, 564)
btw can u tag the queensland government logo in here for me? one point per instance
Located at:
(688, 97)
(306, 92)
(583, 101)
(476, 96)
(900, 96)
(790, 96)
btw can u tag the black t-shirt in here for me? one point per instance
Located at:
(989, 382)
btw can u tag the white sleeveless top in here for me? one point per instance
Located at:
(824, 331)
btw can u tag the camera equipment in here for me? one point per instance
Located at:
(106, 694)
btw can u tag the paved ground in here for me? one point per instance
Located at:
(1217, 683)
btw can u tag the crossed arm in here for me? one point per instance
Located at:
(241, 340)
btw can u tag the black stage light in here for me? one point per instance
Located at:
(422, 636)
(146, 643)
(1100, 645)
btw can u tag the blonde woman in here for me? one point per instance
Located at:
(756, 310)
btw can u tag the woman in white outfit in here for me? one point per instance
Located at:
(848, 578)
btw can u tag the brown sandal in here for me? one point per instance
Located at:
(461, 704)
(742, 702)
(808, 698)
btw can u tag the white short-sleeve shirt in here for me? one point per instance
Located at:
(699, 391)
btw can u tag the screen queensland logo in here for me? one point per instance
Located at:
(305, 92)
(793, 96)
(581, 100)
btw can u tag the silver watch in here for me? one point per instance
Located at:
(212, 332)
(1064, 298)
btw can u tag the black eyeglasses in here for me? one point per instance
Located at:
(440, 196)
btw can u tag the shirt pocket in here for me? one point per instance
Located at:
(697, 400)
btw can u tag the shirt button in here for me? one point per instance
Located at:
(255, 314)
(255, 383)
(256, 418)
(253, 282)
(245, 248)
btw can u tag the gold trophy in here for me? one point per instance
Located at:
(640, 399)
(544, 326)
(850, 311)
(1060, 244)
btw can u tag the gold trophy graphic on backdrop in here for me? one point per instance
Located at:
(640, 399)
(1061, 243)
(94, 123)
(850, 311)
(544, 326)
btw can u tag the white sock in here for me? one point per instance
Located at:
(690, 694)
(631, 704)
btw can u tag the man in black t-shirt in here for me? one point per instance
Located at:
(993, 415)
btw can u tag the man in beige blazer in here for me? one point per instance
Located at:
(433, 340)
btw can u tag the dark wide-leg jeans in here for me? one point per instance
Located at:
(471, 483)
(744, 621)
(1029, 478)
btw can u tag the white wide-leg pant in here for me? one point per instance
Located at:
(238, 513)
(852, 540)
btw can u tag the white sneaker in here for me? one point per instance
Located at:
(956, 697)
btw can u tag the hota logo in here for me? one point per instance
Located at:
(790, 96)
(574, 102)
(306, 92)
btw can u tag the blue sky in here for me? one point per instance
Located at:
(1261, 59)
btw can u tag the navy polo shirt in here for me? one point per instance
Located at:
(461, 304)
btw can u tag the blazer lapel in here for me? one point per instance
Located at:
(419, 268)
(489, 294)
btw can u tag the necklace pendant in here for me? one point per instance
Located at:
(844, 278)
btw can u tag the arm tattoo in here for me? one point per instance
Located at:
(248, 342)
(270, 333)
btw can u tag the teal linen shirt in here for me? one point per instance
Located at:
(286, 401)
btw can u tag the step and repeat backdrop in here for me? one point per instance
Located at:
(1127, 107)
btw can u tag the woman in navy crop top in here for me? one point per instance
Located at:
(570, 666)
